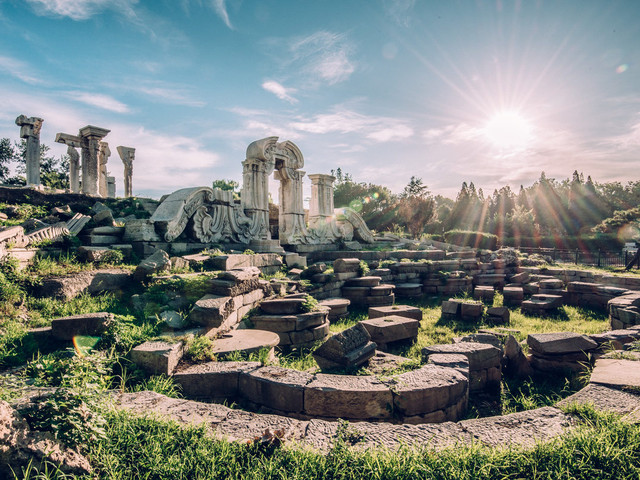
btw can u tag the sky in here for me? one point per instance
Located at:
(490, 92)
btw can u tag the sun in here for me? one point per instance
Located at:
(509, 131)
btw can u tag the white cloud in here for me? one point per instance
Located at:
(323, 55)
(379, 129)
(280, 91)
(81, 9)
(19, 70)
(221, 10)
(99, 100)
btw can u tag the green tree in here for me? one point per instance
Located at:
(416, 207)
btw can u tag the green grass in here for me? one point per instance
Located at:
(601, 447)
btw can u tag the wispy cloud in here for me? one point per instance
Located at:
(378, 129)
(165, 92)
(19, 70)
(99, 100)
(220, 7)
(81, 9)
(280, 91)
(324, 55)
(399, 10)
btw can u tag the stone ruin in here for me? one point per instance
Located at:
(87, 173)
(211, 216)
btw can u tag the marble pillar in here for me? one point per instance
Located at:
(321, 204)
(72, 142)
(127, 155)
(291, 221)
(255, 195)
(90, 139)
(104, 152)
(30, 130)
(111, 187)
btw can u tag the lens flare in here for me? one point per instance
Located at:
(356, 205)
(622, 68)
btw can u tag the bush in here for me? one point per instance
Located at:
(585, 243)
(468, 238)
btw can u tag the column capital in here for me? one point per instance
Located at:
(67, 139)
(92, 131)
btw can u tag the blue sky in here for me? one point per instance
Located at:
(492, 92)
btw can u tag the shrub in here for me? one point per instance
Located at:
(468, 238)
(310, 304)
(200, 349)
(363, 269)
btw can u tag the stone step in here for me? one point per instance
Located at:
(408, 289)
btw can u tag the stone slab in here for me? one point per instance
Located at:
(158, 358)
(275, 387)
(401, 310)
(616, 373)
(65, 328)
(391, 329)
(247, 341)
(560, 343)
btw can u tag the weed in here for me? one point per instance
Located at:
(310, 304)
(199, 349)
(363, 269)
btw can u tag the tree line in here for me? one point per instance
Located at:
(54, 172)
(549, 207)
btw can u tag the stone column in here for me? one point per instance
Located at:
(291, 222)
(103, 157)
(321, 204)
(255, 195)
(30, 130)
(111, 187)
(127, 154)
(72, 142)
(90, 139)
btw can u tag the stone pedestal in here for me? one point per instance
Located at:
(90, 137)
(111, 187)
(30, 130)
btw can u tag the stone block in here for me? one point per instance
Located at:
(500, 315)
(346, 265)
(560, 343)
(275, 387)
(158, 358)
(408, 289)
(401, 310)
(456, 361)
(349, 348)
(348, 397)
(213, 310)
(451, 307)
(381, 290)
(471, 311)
(157, 262)
(480, 355)
(393, 328)
(213, 380)
(484, 293)
(513, 295)
(65, 328)
(369, 281)
(245, 341)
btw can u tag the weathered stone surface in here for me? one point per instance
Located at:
(617, 338)
(484, 293)
(348, 348)
(471, 311)
(393, 328)
(616, 373)
(604, 398)
(158, 262)
(560, 343)
(480, 337)
(480, 355)
(282, 306)
(524, 428)
(346, 265)
(456, 361)
(21, 448)
(173, 319)
(516, 362)
(247, 341)
(408, 289)
(158, 358)
(213, 310)
(540, 303)
(500, 315)
(363, 282)
(65, 328)
(513, 295)
(348, 397)
(427, 389)
(380, 290)
(401, 310)
(337, 307)
(92, 282)
(275, 387)
(213, 380)
(260, 260)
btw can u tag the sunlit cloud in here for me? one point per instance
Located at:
(81, 9)
(280, 91)
(99, 100)
(19, 70)
(220, 7)
(379, 129)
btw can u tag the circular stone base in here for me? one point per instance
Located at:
(246, 341)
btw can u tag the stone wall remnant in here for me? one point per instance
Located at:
(127, 155)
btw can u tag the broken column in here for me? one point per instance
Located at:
(127, 155)
(90, 140)
(111, 187)
(291, 222)
(30, 130)
(72, 142)
(103, 157)
(321, 211)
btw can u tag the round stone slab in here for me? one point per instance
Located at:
(245, 341)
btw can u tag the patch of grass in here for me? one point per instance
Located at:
(602, 447)
(199, 349)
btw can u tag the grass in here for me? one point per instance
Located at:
(601, 447)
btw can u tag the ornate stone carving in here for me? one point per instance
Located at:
(172, 215)
(90, 137)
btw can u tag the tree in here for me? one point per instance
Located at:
(54, 172)
(7, 157)
(416, 207)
